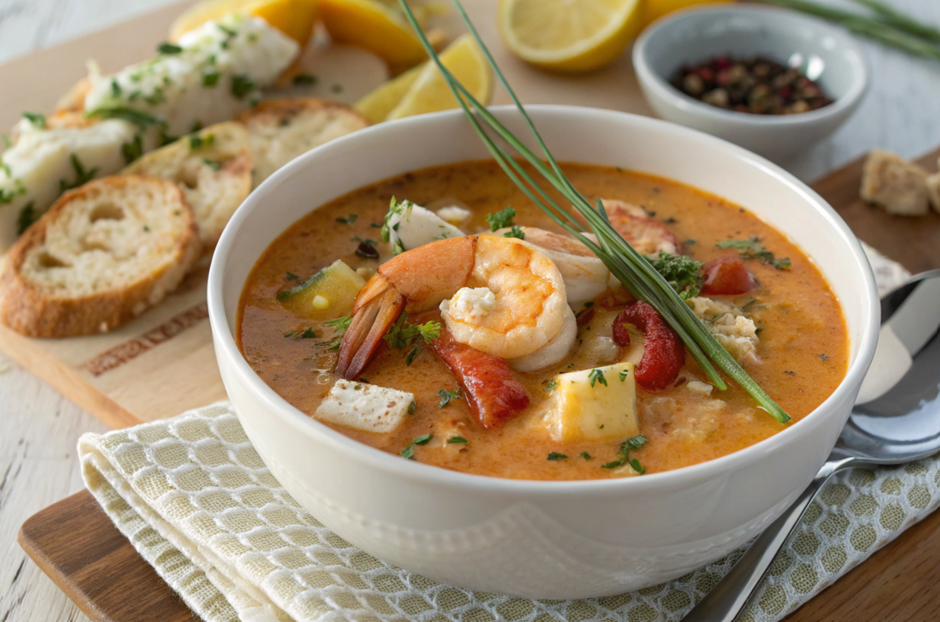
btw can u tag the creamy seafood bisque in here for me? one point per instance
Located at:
(441, 317)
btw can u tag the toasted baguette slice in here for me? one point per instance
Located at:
(282, 129)
(213, 168)
(102, 255)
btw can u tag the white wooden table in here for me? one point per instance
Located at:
(39, 429)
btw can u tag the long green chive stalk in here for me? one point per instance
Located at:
(888, 26)
(631, 268)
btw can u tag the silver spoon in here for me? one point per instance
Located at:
(895, 425)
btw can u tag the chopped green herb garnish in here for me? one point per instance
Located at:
(142, 120)
(308, 333)
(456, 439)
(515, 232)
(6, 141)
(81, 175)
(751, 248)
(597, 375)
(447, 396)
(501, 219)
(26, 217)
(215, 165)
(412, 406)
(824, 357)
(623, 375)
(586, 455)
(7, 196)
(169, 48)
(683, 273)
(133, 150)
(409, 451)
(302, 79)
(228, 31)
(242, 85)
(290, 276)
(348, 220)
(557, 456)
(290, 334)
(36, 119)
(115, 88)
(551, 385)
(210, 77)
(634, 442)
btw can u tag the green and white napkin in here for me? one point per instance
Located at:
(194, 498)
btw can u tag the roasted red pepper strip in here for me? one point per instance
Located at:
(663, 351)
(492, 390)
(726, 276)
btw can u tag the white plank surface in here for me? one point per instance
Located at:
(39, 429)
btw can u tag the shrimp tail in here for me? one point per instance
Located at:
(377, 308)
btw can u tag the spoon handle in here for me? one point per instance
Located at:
(729, 597)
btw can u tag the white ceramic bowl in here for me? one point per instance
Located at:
(698, 35)
(530, 538)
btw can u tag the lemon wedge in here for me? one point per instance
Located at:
(295, 18)
(373, 26)
(569, 35)
(376, 105)
(428, 92)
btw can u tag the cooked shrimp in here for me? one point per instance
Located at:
(584, 273)
(647, 235)
(497, 295)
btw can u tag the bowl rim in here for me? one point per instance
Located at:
(654, 81)
(226, 347)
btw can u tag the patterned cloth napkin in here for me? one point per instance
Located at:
(194, 498)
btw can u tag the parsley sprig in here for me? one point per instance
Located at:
(402, 335)
(682, 272)
(501, 219)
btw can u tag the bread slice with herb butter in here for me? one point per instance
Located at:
(213, 169)
(282, 129)
(103, 254)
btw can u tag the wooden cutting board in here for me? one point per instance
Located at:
(75, 543)
(122, 377)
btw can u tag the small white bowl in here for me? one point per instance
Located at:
(568, 539)
(694, 36)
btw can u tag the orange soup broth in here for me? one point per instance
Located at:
(803, 349)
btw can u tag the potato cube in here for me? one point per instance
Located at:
(595, 404)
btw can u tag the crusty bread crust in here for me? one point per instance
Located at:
(279, 130)
(212, 167)
(38, 309)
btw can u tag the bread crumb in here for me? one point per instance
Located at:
(894, 184)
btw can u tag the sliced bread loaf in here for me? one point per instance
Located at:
(213, 169)
(102, 255)
(282, 129)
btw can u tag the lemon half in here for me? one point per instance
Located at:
(569, 35)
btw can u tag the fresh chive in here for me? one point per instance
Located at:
(631, 268)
